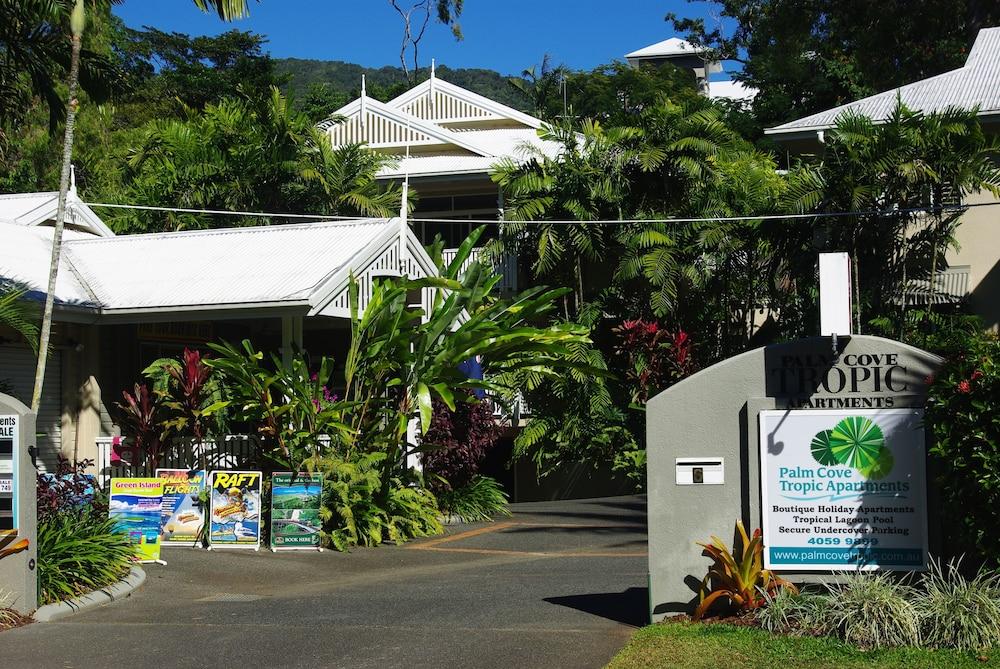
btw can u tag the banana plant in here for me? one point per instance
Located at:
(403, 357)
(738, 575)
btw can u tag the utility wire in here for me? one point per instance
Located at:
(492, 221)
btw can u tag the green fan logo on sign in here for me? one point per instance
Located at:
(855, 442)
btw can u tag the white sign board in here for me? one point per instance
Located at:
(843, 490)
(834, 294)
(9, 445)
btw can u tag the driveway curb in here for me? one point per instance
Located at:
(92, 600)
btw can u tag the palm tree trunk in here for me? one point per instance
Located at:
(77, 22)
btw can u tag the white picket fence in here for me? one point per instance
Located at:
(230, 452)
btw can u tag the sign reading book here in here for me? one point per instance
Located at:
(295, 508)
(843, 490)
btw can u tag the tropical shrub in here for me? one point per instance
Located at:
(141, 415)
(289, 407)
(795, 613)
(738, 576)
(480, 499)
(68, 489)
(456, 443)
(874, 610)
(959, 612)
(78, 553)
(963, 415)
(655, 358)
(354, 514)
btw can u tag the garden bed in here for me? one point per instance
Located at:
(702, 646)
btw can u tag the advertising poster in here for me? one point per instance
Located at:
(135, 505)
(843, 490)
(235, 509)
(183, 517)
(295, 504)
(8, 474)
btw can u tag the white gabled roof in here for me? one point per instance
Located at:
(462, 133)
(454, 104)
(34, 209)
(300, 267)
(974, 85)
(388, 127)
(665, 49)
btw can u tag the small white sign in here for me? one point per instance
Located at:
(843, 490)
(6, 486)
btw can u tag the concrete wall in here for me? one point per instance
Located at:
(714, 414)
(18, 575)
(978, 238)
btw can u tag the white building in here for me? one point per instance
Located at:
(685, 55)
(122, 302)
(974, 267)
(453, 138)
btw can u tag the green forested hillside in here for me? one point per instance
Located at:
(344, 79)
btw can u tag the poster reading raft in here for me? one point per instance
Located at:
(134, 504)
(843, 490)
(295, 505)
(235, 509)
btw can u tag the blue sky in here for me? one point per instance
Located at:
(504, 35)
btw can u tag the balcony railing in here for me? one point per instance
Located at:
(507, 267)
(948, 286)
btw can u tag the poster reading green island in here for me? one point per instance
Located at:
(134, 505)
(183, 517)
(295, 505)
(843, 490)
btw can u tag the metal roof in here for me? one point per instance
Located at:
(668, 47)
(974, 85)
(451, 130)
(301, 267)
(33, 209)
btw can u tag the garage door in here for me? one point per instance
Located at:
(17, 376)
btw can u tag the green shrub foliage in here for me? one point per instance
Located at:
(78, 553)
(963, 414)
(874, 610)
(357, 511)
(480, 499)
(959, 612)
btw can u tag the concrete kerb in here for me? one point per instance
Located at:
(92, 600)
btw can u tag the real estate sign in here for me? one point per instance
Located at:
(182, 515)
(295, 505)
(135, 505)
(9, 446)
(843, 490)
(235, 499)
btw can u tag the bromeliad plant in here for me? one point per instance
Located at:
(738, 575)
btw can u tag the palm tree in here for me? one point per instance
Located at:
(18, 314)
(885, 171)
(226, 9)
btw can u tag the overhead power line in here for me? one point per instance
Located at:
(490, 221)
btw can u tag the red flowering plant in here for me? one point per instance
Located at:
(655, 358)
(963, 418)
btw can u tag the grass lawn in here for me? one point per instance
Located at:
(693, 646)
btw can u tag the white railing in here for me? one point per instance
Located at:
(506, 268)
(229, 452)
(949, 285)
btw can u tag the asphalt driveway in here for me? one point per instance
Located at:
(559, 584)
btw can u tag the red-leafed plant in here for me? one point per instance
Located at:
(188, 401)
(457, 442)
(655, 357)
(142, 415)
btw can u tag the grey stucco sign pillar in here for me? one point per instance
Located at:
(18, 575)
(703, 441)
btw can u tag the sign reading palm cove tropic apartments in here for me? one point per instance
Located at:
(843, 489)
